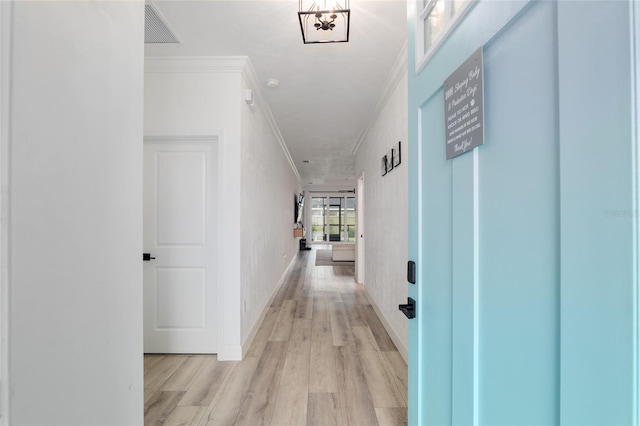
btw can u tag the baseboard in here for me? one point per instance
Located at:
(230, 353)
(254, 329)
(402, 348)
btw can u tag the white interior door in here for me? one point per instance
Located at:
(180, 192)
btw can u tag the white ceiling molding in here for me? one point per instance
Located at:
(222, 64)
(195, 64)
(327, 93)
(191, 138)
(249, 74)
(398, 71)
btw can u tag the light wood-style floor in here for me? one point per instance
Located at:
(320, 357)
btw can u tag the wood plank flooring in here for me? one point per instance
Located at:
(320, 357)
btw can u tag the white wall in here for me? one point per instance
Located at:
(75, 214)
(386, 207)
(200, 97)
(268, 189)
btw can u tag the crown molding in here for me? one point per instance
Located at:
(195, 64)
(250, 76)
(172, 138)
(398, 71)
(222, 64)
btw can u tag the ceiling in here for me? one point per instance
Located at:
(327, 92)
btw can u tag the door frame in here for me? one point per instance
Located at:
(360, 230)
(634, 17)
(222, 298)
(5, 97)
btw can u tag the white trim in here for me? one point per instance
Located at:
(194, 64)
(476, 287)
(634, 21)
(423, 57)
(360, 222)
(256, 326)
(223, 64)
(6, 12)
(225, 261)
(402, 348)
(230, 353)
(6, 53)
(398, 71)
(419, 351)
(191, 138)
(249, 73)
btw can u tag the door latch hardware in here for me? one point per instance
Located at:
(147, 256)
(411, 272)
(409, 309)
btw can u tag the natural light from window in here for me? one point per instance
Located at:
(333, 219)
(435, 21)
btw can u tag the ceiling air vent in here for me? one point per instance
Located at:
(156, 30)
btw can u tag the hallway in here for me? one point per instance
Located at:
(320, 357)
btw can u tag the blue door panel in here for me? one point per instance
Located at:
(435, 307)
(598, 215)
(464, 290)
(518, 225)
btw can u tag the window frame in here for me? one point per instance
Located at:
(451, 21)
(343, 214)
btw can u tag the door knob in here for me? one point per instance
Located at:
(147, 256)
(409, 309)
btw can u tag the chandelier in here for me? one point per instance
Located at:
(322, 24)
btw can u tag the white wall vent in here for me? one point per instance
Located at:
(156, 30)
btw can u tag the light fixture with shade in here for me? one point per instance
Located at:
(322, 23)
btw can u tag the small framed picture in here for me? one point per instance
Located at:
(383, 165)
(396, 154)
(389, 160)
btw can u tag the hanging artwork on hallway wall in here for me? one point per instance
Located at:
(391, 160)
(396, 154)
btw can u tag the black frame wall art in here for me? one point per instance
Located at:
(396, 154)
(392, 159)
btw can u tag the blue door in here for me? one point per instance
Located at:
(526, 247)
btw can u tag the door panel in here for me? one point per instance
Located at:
(179, 231)
(181, 206)
(518, 182)
(436, 267)
(599, 178)
(180, 296)
(464, 351)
